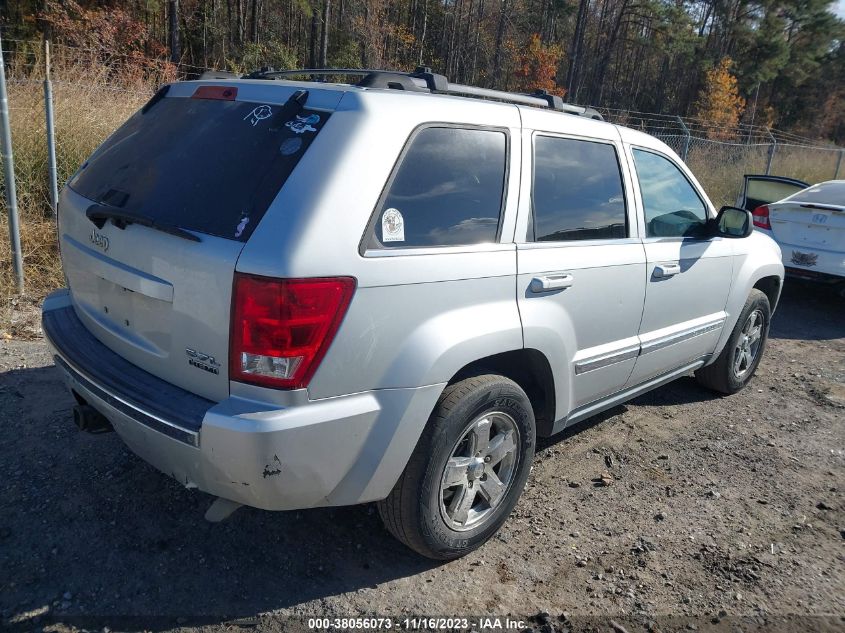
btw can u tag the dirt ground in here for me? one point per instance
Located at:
(725, 514)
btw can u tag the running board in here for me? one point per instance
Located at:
(594, 408)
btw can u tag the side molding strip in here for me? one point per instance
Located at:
(677, 337)
(603, 360)
(626, 353)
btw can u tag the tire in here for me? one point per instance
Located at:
(431, 519)
(728, 374)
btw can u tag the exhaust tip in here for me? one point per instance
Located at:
(88, 419)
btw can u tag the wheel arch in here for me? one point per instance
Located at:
(771, 286)
(759, 269)
(528, 368)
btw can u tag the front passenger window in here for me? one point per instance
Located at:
(672, 207)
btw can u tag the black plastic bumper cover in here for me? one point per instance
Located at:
(129, 389)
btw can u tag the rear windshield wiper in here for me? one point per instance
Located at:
(100, 213)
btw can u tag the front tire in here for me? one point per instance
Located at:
(738, 361)
(467, 470)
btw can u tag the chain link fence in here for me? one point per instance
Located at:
(84, 115)
(719, 156)
(89, 103)
(90, 100)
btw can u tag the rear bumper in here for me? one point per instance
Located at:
(812, 275)
(808, 262)
(336, 451)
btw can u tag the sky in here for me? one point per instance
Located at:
(839, 8)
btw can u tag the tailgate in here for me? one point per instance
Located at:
(810, 225)
(151, 297)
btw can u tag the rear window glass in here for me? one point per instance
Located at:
(827, 192)
(207, 165)
(446, 191)
(763, 191)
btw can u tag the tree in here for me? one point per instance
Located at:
(646, 55)
(536, 67)
(719, 104)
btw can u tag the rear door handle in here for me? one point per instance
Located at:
(545, 283)
(666, 270)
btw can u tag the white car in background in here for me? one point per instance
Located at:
(807, 222)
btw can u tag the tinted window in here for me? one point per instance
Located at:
(577, 191)
(826, 192)
(672, 207)
(211, 166)
(763, 191)
(446, 191)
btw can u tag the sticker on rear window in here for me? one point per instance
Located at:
(259, 114)
(241, 225)
(392, 226)
(290, 146)
(303, 124)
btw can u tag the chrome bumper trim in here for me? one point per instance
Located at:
(127, 408)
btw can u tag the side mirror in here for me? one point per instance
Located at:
(733, 222)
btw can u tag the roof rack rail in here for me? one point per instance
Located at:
(424, 80)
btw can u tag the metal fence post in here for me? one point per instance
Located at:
(839, 164)
(772, 149)
(9, 169)
(51, 132)
(685, 150)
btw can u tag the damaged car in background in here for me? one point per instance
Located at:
(806, 221)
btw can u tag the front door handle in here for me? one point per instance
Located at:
(545, 283)
(666, 270)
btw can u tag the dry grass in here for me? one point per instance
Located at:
(720, 167)
(42, 272)
(90, 103)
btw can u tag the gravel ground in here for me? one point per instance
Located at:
(722, 513)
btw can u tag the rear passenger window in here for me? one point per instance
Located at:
(446, 191)
(577, 191)
(672, 207)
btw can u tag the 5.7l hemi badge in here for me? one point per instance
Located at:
(203, 361)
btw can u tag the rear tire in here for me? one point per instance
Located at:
(735, 366)
(467, 470)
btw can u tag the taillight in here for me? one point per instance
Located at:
(761, 217)
(281, 328)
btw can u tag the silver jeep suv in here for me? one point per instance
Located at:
(293, 294)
